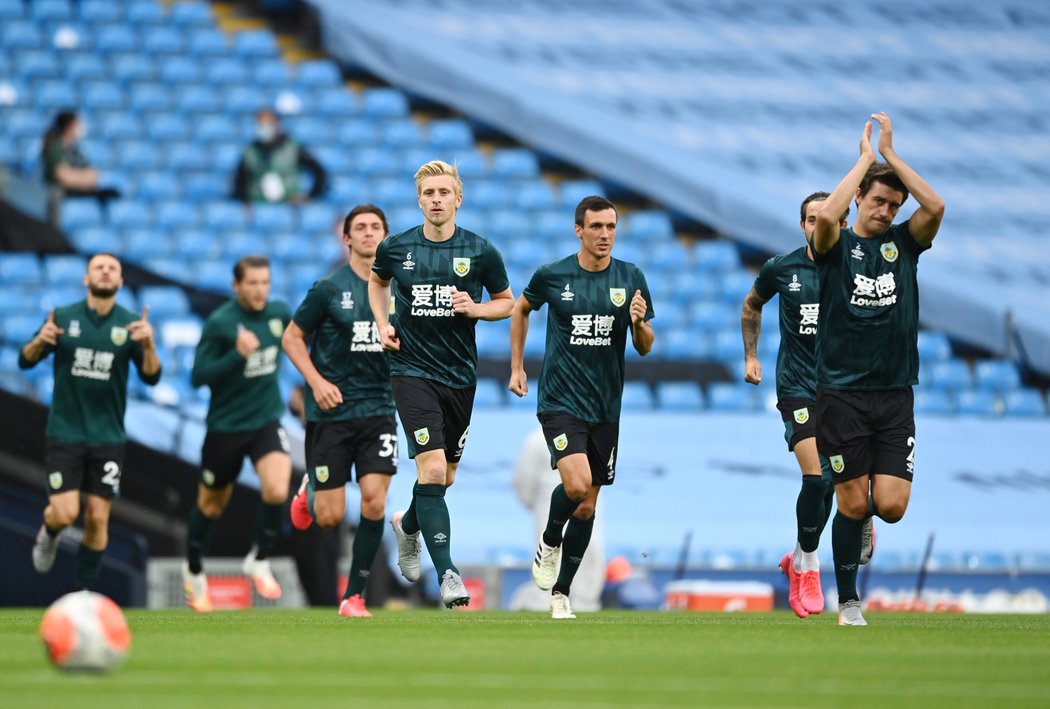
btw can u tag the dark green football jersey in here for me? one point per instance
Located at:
(588, 325)
(436, 343)
(868, 329)
(91, 374)
(794, 277)
(244, 392)
(346, 349)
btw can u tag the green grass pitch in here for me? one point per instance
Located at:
(434, 659)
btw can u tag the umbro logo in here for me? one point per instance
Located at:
(848, 567)
(857, 253)
(440, 538)
(567, 294)
(408, 264)
(794, 286)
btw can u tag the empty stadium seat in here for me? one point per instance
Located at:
(18, 269)
(20, 329)
(191, 13)
(996, 374)
(181, 69)
(130, 66)
(322, 73)
(163, 39)
(637, 396)
(978, 402)
(933, 402)
(450, 134)
(933, 346)
(164, 301)
(515, 163)
(63, 269)
(488, 394)
(680, 396)
(1024, 402)
(80, 212)
(100, 11)
(683, 344)
(273, 217)
(724, 396)
(717, 256)
(207, 41)
(143, 13)
(383, 103)
(947, 374)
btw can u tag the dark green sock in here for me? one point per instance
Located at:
(561, 511)
(809, 511)
(310, 496)
(845, 544)
(366, 543)
(432, 514)
(198, 534)
(267, 526)
(577, 538)
(829, 506)
(89, 562)
(409, 522)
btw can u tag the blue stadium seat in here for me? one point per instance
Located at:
(978, 402)
(55, 94)
(573, 191)
(489, 394)
(997, 374)
(80, 212)
(83, 66)
(334, 103)
(42, 10)
(473, 165)
(735, 287)
(175, 214)
(727, 345)
(680, 396)
(93, 240)
(208, 42)
(215, 128)
(139, 155)
(710, 317)
(1024, 402)
(186, 156)
(205, 185)
(273, 217)
(126, 214)
(131, 66)
(319, 73)
(192, 13)
(215, 275)
(356, 132)
(724, 396)
(933, 346)
(181, 69)
(149, 96)
(100, 11)
(670, 255)
(118, 126)
(227, 70)
(716, 256)
(450, 134)
(950, 374)
(142, 244)
(240, 100)
(63, 269)
(679, 343)
(20, 269)
(637, 396)
(175, 269)
(255, 44)
(11, 10)
(515, 163)
(21, 34)
(236, 244)
(271, 73)
(225, 156)
(38, 64)
(537, 194)
(153, 185)
(651, 224)
(111, 38)
(163, 39)
(196, 244)
(374, 162)
(400, 134)
(224, 216)
(63, 294)
(164, 301)
(101, 95)
(483, 194)
(933, 402)
(168, 127)
(318, 218)
(144, 13)
(384, 103)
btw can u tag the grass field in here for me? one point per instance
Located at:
(439, 659)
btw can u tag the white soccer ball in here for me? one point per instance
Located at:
(85, 631)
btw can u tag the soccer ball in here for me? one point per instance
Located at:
(85, 631)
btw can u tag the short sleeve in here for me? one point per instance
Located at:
(311, 312)
(902, 232)
(766, 282)
(534, 291)
(495, 277)
(382, 267)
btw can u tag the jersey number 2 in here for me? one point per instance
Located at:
(111, 475)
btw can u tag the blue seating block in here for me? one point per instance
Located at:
(1024, 402)
(933, 346)
(164, 301)
(978, 402)
(193, 13)
(322, 73)
(515, 163)
(997, 374)
(680, 396)
(637, 396)
(63, 269)
(80, 212)
(724, 396)
(933, 402)
(717, 256)
(163, 39)
(20, 269)
(489, 394)
(255, 44)
(384, 103)
(950, 374)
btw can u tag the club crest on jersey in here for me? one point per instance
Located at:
(74, 328)
(118, 335)
(55, 480)
(461, 266)
(422, 436)
(801, 415)
(561, 442)
(276, 327)
(348, 300)
(837, 463)
(889, 251)
(321, 473)
(618, 296)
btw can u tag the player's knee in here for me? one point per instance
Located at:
(274, 494)
(96, 518)
(576, 491)
(585, 510)
(373, 508)
(212, 509)
(327, 519)
(433, 475)
(892, 512)
(855, 509)
(63, 516)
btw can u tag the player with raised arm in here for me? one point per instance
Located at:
(238, 358)
(425, 293)
(867, 356)
(594, 301)
(93, 341)
(348, 404)
(794, 277)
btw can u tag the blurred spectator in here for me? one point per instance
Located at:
(271, 167)
(534, 479)
(66, 171)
